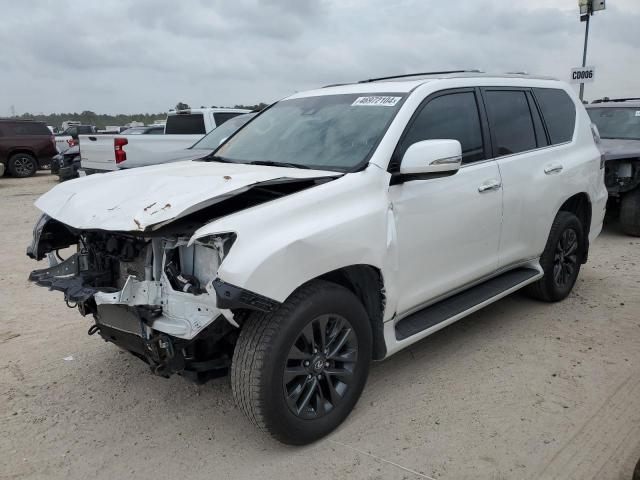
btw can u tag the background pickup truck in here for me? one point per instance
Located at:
(100, 153)
(69, 137)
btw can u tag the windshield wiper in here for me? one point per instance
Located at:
(270, 163)
(215, 158)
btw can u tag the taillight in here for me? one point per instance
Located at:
(72, 142)
(118, 147)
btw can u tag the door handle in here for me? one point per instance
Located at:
(553, 169)
(489, 186)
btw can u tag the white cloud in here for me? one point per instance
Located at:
(116, 56)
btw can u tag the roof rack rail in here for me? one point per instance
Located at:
(607, 99)
(444, 72)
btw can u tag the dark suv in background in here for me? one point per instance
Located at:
(25, 146)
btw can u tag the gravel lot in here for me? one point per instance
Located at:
(521, 390)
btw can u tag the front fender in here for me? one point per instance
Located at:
(284, 243)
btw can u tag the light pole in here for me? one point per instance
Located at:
(587, 7)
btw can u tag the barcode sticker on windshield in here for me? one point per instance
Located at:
(377, 101)
(637, 113)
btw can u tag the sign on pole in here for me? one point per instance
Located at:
(590, 6)
(582, 74)
(584, 6)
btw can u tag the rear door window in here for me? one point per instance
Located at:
(510, 121)
(452, 116)
(559, 113)
(221, 117)
(185, 124)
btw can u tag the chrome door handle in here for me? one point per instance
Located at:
(489, 186)
(553, 169)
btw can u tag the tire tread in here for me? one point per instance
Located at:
(630, 213)
(253, 350)
(540, 290)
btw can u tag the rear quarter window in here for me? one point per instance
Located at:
(185, 124)
(221, 117)
(559, 113)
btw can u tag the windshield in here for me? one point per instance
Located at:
(212, 140)
(327, 132)
(619, 123)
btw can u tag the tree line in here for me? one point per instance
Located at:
(102, 120)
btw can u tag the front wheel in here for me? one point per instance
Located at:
(298, 372)
(561, 259)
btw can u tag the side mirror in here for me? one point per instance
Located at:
(430, 158)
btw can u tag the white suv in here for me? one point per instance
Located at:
(338, 226)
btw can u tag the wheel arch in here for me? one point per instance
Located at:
(580, 205)
(17, 150)
(366, 283)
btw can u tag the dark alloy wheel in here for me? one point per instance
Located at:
(561, 259)
(298, 372)
(566, 258)
(22, 165)
(320, 366)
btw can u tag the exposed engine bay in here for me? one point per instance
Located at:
(155, 297)
(155, 293)
(622, 175)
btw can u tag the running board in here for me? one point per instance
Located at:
(493, 289)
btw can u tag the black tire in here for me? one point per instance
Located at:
(264, 350)
(22, 165)
(636, 471)
(630, 213)
(560, 260)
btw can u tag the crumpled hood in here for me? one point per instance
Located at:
(133, 200)
(614, 149)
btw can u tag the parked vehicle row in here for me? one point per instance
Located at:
(336, 227)
(183, 128)
(67, 165)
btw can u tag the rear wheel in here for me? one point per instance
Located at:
(630, 213)
(561, 259)
(297, 373)
(22, 165)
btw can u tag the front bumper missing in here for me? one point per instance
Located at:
(183, 315)
(66, 277)
(180, 314)
(165, 355)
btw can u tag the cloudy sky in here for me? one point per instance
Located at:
(117, 56)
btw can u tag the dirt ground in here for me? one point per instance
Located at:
(520, 390)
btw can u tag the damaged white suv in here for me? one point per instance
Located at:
(338, 226)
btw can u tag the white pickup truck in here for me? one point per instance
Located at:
(100, 153)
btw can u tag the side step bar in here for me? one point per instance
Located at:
(460, 302)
